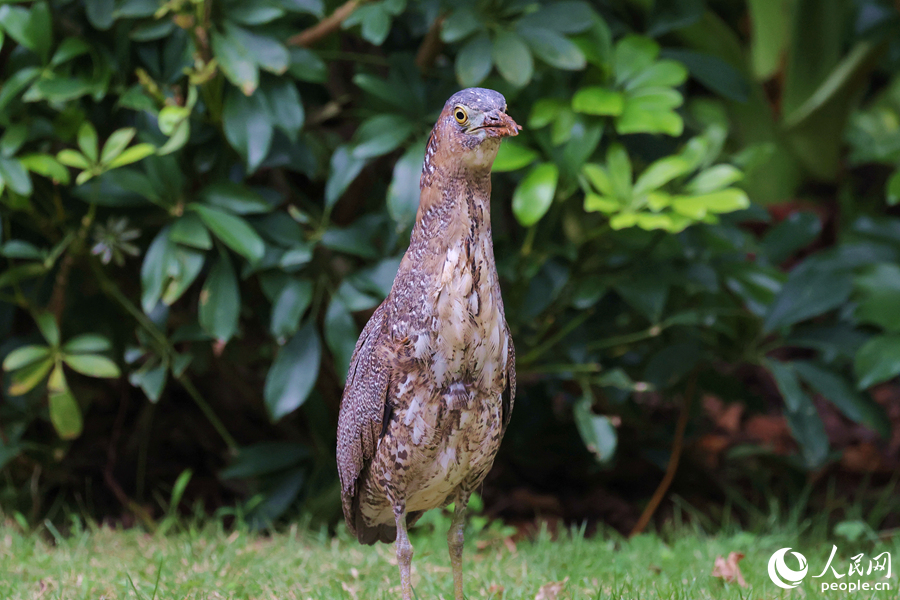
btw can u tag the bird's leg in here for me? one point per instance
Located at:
(455, 538)
(404, 552)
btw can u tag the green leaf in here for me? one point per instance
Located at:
(770, 22)
(403, 192)
(14, 175)
(714, 73)
(513, 58)
(604, 204)
(376, 23)
(534, 194)
(189, 230)
(87, 141)
(30, 27)
(599, 178)
(714, 178)
(139, 152)
(252, 14)
(12, 139)
(646, 293)
(663, 73)
(345, 167)
(284, 105)
(46, 165)
(248, 129)
(563, 126)
(116, 143)
(544, 112)
(698, 207)
(265, 51)
(100, 13)
(512, 156)
(93, 365)
(151, 378)
(633, 54)
(841, 393)
(340, 335)
(562, 17)
(877, 361)
(474, 61)
(17, 82)
(893, 189)
(460, 24)
(234, 198)
(87, 342)
(154, 269)
(65, 414)
(178, 140)
(807, 293)
(381, 134)
(661, 172)
(46, 322)
(25, 379)
(598, 100)
(801, 415)
(24, 356)
(235, 61)
(22, 249)
(554, 49)
(289, 306)
(184, 266)
(220, 301)
(296, 256)
(264, 458)
(797, 231)
(618, 167)
(234, 231)
(307, 66)
(293, 374)
(879, 288)
(597, 431)
(73, 158)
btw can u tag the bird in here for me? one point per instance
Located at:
(432, 380)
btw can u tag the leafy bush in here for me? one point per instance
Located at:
(196, 199)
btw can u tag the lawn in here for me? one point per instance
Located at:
(211, 561)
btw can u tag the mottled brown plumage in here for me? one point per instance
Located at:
(432, 381)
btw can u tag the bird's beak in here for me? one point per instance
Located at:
(499, 124)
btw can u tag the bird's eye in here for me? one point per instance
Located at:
(459, 113)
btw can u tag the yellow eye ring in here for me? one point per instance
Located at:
(459, 113)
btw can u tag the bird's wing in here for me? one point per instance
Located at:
(362, 407)
(509, 392)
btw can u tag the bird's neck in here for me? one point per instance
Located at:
(454, 207)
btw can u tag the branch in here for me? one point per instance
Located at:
(672, 467)
(325, 27)
(431, 46)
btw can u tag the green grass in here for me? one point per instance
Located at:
(211, 562)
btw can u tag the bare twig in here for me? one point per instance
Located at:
(677, 445)
(325, 27)
(431, 46)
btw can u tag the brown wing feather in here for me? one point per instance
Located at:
(362, 409)
(509, 394)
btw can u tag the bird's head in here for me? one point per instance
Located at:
(470, 128)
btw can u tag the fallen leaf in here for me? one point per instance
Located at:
(728, 569)
(550, 591)
(495, 591)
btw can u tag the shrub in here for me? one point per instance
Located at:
(195, 190)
